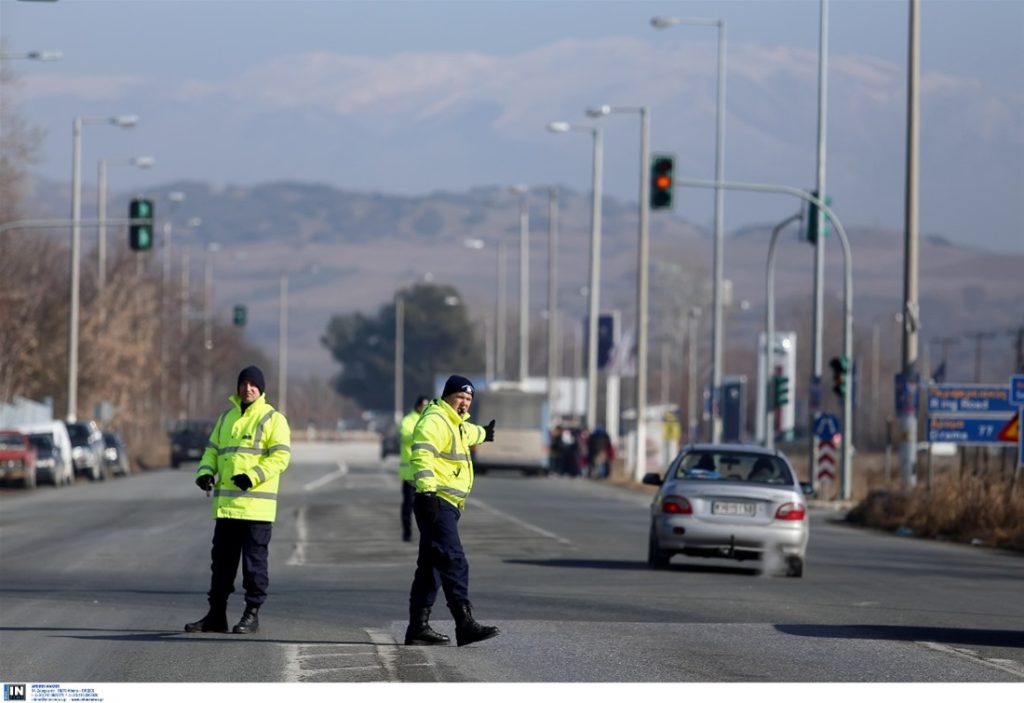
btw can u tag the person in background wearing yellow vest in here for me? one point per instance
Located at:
(405, 429)
(443, 470)
(249, 449)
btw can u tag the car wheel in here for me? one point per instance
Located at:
(656, 558)
(795, 567)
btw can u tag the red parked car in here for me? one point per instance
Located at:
(17, 459)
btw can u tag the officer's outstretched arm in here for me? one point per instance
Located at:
(475, 434)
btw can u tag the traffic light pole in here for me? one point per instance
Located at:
(769, 325)
(847, 455)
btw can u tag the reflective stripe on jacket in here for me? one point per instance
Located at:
(405, 429)
(256, 443)
(440, 453)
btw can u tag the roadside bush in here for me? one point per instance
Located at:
(972, 508)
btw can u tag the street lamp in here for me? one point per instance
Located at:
(124, 121)
(595, 262)
(716, 321)
(643, 249)
(138, 162)
(491, 344)
(524, 281)
(193, 223)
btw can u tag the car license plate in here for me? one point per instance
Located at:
(720, 507)
(195, 452)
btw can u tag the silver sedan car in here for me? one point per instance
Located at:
(729, 501)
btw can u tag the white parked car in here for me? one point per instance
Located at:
(729, 501)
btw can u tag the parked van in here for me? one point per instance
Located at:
(62, 471)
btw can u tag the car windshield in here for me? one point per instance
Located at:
(10, 442)
(79, 434)
(41, 441)
(733, 466)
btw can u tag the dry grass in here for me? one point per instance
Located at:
(986, 509)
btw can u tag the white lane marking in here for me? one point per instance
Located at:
(298, 557)
(1008, 665)
(292, 663)
(324, 480)
(522, 523)
(387, 652)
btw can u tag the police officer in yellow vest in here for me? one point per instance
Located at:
(443, 471)
(249, 449)
(405, 429)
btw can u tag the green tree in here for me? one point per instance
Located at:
(439, 339)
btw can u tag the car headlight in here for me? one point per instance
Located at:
(110, 454)
(77, 452)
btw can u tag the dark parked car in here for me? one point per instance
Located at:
(51, 466)
(87, 450)
(189, 440)
(115, 456)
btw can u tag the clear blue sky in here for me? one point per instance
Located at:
(412, 97)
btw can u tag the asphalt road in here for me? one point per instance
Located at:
(99, 579)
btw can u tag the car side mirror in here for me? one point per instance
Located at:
(807, 488)
(651, 480)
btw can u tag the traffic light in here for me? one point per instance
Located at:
(662, 182)
(240, 315)
(140, 234)
(780, 391)
(812, 219)
(840, 368)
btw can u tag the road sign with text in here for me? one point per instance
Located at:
(969, 398)
(977, 430)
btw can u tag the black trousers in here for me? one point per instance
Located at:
(408, 491)
(441, 560)
(240, 539)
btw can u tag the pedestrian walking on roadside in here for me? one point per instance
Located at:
(405, 429)
(249, 449)
(443, 471)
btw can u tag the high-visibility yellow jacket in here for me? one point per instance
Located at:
(440, 460)
(405, 429)
(256, 443)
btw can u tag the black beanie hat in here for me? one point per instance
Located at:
(455, 384)
(253, 375)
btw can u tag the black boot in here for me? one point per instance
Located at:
(468, 630)
(420, 632)
(215, 620)
(250, 621)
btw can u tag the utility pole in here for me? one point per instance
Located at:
(908, 380)
(814, 387)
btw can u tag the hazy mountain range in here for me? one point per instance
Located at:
(347, 251)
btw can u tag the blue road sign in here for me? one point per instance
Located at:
(968, 430)
(827, 426)
(969, 398)
(1017, 390)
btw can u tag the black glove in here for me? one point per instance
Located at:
(205, 482)
(428, 505)
(489, 431)
(242, 481)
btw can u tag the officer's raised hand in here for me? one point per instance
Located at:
(489, 431)
(205, 482)
(242, 481)
(428, 505)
